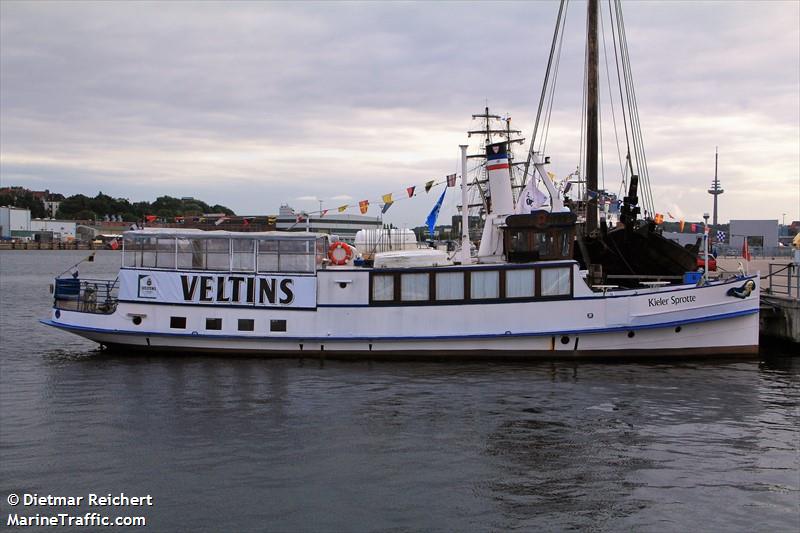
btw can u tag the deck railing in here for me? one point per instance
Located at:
(784, 280)
(86, 295)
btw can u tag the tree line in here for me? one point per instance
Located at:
(103, 206)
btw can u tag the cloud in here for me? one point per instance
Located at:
(253, 104)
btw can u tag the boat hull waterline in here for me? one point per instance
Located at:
(683, 320)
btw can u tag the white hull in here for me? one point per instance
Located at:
(704, 321)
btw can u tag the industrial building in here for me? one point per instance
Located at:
(14, 220)
(763, 233)
(344, 226)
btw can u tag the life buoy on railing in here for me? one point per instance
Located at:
(340, 253)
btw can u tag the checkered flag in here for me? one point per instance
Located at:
(720, 236)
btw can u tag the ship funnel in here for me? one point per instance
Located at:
(498, 168)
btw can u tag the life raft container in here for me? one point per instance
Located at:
(340, 253)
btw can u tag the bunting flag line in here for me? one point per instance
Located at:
(388, 199)
(434, 214)
(659, 218)
(669, 215)
(682, 223)
(720, 236)
(386, 207)
(219, 221)
(551, 176)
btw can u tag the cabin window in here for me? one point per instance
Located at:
(414, 287)
(130, 250)
(148, 247)
(484, 284)
(383, 287)
(243, 257)
(218, 254)
(565, 239)
(177, 322)
(277, 325)
(165, 253)
(214, 323)
(191, 254)
(556, 281)
(322, 251)
(449, 285)
(268, 256)
(247, 324)
(520, 283)
(296, 256)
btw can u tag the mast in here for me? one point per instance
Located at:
(591, 116)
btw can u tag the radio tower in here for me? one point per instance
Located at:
(715, 189)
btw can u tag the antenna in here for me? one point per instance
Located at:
(715, 189)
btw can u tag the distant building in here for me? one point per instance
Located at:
(51, 207)
(344, 226)
(15, 222)
(62, 230)
(762, 233)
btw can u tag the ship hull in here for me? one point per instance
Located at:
(682, 321)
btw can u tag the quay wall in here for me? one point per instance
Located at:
(55, 245)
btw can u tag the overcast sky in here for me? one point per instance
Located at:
(255, 104)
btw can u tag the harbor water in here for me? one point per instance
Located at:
(252, 444)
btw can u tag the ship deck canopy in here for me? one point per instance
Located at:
(194, 249)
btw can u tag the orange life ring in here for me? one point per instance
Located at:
(340, 253)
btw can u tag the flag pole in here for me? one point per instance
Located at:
(705, 248)
(466, 258)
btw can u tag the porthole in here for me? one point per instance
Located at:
(58, 313)
(564, 340)
(631, 334)
(677, 329)
(589, 315)
(137, 320)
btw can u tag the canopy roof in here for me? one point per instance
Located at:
(193, 233)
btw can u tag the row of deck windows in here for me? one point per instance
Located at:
(235, 255)
(474, 285)
(215, 324)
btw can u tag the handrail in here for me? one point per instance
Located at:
(787, 284)
(86, 295)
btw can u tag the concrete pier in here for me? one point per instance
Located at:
(780, 303)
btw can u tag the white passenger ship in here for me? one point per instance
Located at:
(287, 293)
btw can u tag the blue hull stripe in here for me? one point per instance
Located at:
(409, 338)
